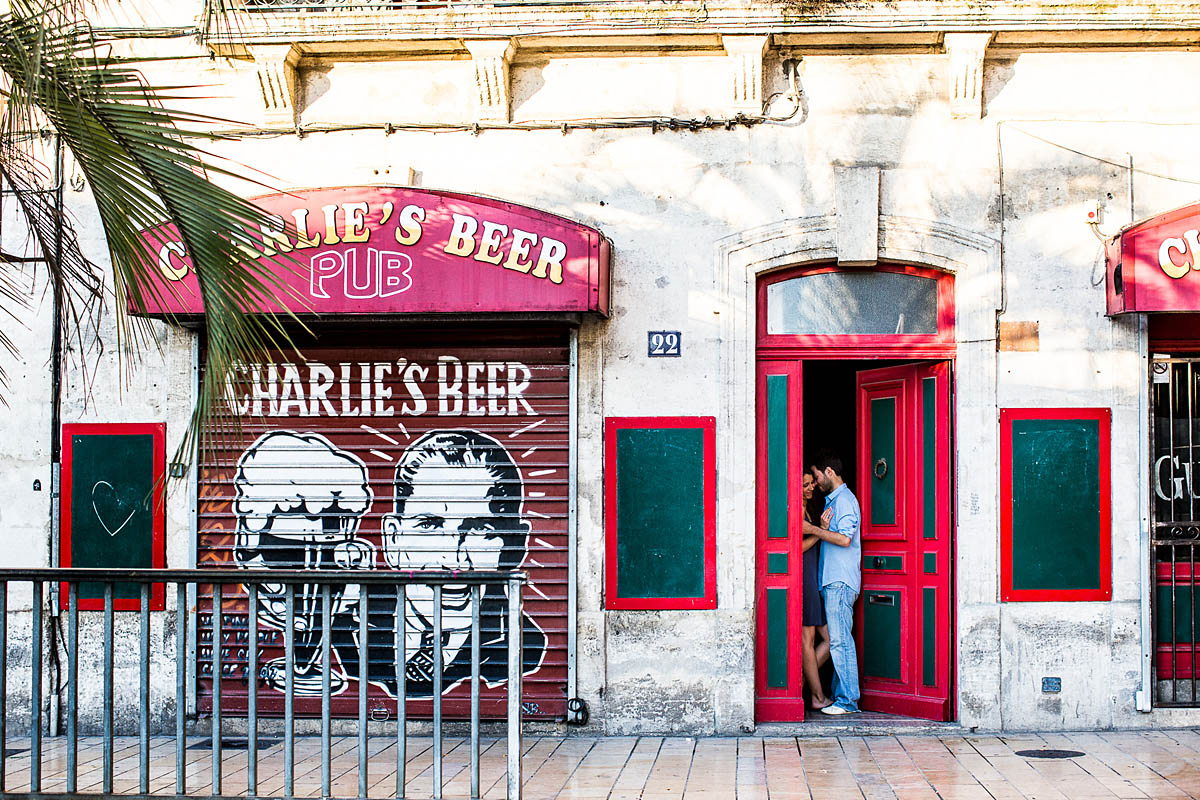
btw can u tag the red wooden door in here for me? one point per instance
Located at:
(904, 624)
(780, 567)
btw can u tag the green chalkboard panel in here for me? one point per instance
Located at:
(112, 507)
(660, 540)
(1055, 495)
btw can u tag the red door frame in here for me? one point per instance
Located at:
(799, 348)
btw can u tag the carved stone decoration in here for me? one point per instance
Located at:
(966, 51)
(276, 67)
(746, 63)
(492, 58)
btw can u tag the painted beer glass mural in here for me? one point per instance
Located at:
(442, 455)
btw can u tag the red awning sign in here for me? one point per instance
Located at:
(385, 250)
(1154, 265)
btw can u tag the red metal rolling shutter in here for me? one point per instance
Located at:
(435, 450)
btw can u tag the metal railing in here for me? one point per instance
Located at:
(82, 592)
(1175, 527)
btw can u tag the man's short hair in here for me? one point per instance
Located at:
(467, 448)
(827, 459)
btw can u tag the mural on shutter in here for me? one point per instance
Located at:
(437, 454)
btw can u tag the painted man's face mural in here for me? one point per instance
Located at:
(457, 507)
(298, 506)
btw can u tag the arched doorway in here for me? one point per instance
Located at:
(859, 362)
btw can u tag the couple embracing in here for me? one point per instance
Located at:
(832, 581)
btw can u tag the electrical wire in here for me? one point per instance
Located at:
(1109, 161)
(654, 124)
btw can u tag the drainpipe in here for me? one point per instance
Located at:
(55, 434)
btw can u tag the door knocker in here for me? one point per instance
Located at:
(881, 469)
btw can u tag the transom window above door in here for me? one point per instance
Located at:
(838, 303)
(890, 305)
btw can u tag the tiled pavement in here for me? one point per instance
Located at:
(1156, 764)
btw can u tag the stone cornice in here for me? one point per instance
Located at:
(627, 26)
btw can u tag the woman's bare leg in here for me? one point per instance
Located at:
(822, 650)
(812, 675)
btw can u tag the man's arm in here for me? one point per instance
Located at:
(832, 537)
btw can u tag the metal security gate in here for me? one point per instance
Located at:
(1175, 515)
(392, 449)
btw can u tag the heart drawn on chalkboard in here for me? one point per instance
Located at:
(112, 503)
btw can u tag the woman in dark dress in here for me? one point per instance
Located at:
(814, 655)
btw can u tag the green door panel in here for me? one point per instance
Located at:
(888, 563)
(777, 638)
(929, 637)
(883, 446)
(882, 614)
(929, 457)
(777, 456)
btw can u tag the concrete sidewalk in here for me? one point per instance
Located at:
(1157, 764)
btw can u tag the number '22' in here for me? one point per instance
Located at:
(665, 343)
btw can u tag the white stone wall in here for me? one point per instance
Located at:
(693, 217)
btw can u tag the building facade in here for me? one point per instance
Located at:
(565, 260)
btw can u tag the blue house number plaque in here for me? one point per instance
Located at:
(665, 344)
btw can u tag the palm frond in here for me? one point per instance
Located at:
(146, 168)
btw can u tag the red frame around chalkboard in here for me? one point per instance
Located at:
(612, 600)
(1104, 417)
(158, 559)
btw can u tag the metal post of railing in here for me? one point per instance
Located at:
(289, 691)
(252, 691)
(108, 687)
(1191, 548)
(515, 655)
(144, 693)
(217, 624)
(35, 694)
(401, 688)
(3, 678)
(476, 597)
(72, 687)
(326, 657)
(1192, 586)
(437, 691)
(1174, 629)
(181, 683)
(363, 684)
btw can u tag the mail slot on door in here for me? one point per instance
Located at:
(887, 563)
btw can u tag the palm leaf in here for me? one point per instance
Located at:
(146, 169)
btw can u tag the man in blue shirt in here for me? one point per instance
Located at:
(841, 577)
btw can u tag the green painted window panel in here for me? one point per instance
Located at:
(777, 638)
(777, 563)
(929, 456)
(660, 548)
(1056, 504)
(777, 456)
(884, 562)
(929, 637)
(1187, 613)
(125, 464)
(881, 634)
(931, 563)
(883, 445)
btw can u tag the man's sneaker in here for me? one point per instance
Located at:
(835, 710)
